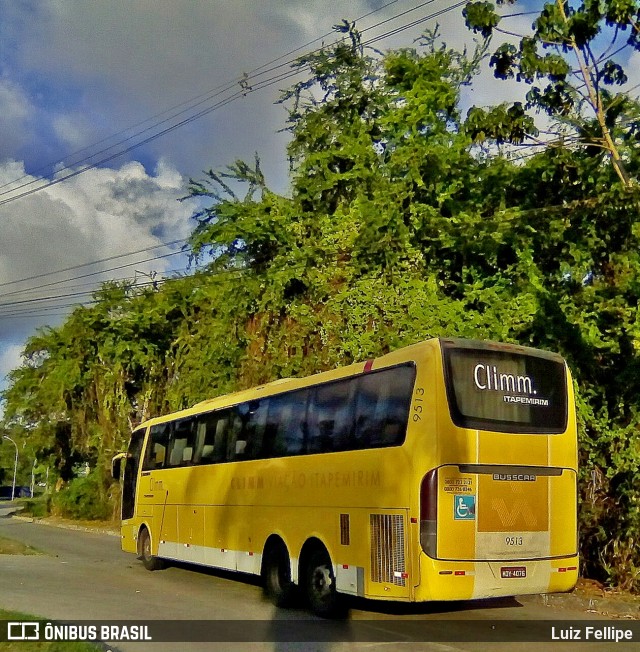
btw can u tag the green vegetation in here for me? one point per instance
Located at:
(33, 646)
(11, 547)
(81, 500)
(405, 220)
(37, 507)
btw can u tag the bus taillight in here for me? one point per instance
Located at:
(429, 512)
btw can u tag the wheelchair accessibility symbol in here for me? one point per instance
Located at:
(464, 507)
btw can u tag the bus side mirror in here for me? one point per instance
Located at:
(116, 465)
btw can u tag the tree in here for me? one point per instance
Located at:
(379, 165)
(569, 61)
(578, 240)
(398, 228)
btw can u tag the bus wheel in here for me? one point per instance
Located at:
(277, 576)
(320, 585)
(144, 552)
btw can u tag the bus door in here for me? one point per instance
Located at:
(130, 477)
(184, 514)
(152, 492)
(130, 485)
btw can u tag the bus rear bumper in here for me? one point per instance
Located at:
(462, 580)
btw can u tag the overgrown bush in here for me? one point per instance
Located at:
(83, 498)
(37, 507)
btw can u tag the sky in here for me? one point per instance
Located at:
(82, 82)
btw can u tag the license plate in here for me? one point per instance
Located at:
(509, 572)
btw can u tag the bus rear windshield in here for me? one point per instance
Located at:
(506, 391)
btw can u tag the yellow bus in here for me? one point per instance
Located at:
(445, 470)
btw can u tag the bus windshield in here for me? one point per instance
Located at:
(505, 390)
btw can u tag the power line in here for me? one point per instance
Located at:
(417, 22)
(245, 90)
(92, 284)
(228, 100)
(27, 305)
(190, 104)
(94, 262)
(25, 308)
(238, 94)
(103, 271)
(148, 139)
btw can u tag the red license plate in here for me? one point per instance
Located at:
(509, 572)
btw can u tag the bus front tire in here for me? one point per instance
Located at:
(278, 585)
(150, 562)
(320, 586)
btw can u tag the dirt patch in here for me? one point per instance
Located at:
(595, 590)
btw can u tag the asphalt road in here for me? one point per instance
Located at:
(85, 576)
(7, 508)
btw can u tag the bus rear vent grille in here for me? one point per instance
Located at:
(344, 530)
(387, 549)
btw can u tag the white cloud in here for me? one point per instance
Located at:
(14, 104)
(72, 129)
(16, 111)
(117, 63)
(96, 215)
(10, 358)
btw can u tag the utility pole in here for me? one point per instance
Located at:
(15, 467)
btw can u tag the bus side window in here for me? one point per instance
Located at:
(212, 428)
(331, 417)
(296, 429)
(235, 445)
(274, 444)
(268, 448)
(201, 433)
(183, 443)
(382, 409)
(254, 423)
(157, 445)
(220, 437)
(395, 405)
(286, 432)
(344, 427)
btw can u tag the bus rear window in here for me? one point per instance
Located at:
(505, 391)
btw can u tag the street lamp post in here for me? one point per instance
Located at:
(33, 476)
(15, 467)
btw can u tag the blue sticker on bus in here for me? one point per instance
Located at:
(464, 507)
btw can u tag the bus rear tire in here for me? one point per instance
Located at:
(149, 561)
(276, 572)
(320, 586)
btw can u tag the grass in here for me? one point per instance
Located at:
(11, 547)
(45, 646)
